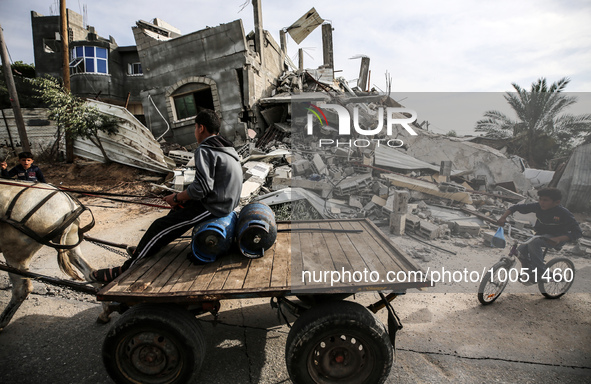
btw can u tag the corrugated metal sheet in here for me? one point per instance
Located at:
(304, 25)
(393, 158)
(133, 145)
(575, 182)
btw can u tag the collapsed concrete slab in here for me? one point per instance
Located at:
(428, 188)
(481, 160)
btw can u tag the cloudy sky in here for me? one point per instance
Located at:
(424, 45)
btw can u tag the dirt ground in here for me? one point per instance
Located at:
(447, 336)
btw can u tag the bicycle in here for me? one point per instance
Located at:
(556, 279)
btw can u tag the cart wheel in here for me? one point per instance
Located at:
(338, 342)
(491, 286)
(154, 344)
(557, 279)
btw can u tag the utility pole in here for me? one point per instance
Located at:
(16, 107)
(65, 44)
(66, 72)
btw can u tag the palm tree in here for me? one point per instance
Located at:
(541, 129)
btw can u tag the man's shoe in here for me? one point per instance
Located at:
(106, 275)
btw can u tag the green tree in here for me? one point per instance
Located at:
(73, 114)
(452, 133)
(542, 130)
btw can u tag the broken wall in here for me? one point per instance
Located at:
(213, 57)
(216, 60)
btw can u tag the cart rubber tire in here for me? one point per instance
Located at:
(555, 289)
(152, 344)
(489, 291)
(338, 342)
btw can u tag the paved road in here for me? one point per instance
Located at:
(446, 339)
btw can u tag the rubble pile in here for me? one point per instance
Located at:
(286, 165)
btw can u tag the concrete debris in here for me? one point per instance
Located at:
(428, 188)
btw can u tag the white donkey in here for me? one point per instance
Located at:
(43, 215)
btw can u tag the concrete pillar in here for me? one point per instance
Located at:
(327, 50)
(283, 40)
(301, 59)
(401, 202)
(363, 74)
(258, 28)
(397, 224)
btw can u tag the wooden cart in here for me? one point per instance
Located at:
(159, 340)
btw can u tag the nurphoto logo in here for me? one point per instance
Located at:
(394, 116)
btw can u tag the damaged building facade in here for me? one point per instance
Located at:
(220, 68)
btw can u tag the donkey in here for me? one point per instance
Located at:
(44, 216)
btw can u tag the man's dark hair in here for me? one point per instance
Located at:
(552, 193)
(26, 155)
(210, 120)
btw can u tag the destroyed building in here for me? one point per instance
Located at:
(247, 80)
(220, 68)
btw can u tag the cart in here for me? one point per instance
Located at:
(158, 338)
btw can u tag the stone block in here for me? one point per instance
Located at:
(318, 165)
(429, 230)
(301, 167)
(378, 201)
(468, 227)
(413, 223)
(354, 202)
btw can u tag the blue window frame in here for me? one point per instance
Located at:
(94, 59)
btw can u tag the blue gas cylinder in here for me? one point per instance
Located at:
(213, 238)
(257, 230)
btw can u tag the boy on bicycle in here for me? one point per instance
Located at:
(555, 223)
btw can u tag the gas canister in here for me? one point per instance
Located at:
(257, 230)
(213, 238)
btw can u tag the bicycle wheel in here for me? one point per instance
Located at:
(491, 286)
(558, 278)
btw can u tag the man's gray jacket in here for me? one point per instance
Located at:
(218, 176)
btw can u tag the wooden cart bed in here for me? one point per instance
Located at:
(314, 246)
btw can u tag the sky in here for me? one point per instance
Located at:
(423, 45)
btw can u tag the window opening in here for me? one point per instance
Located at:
(91, 60)
(191, 99)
